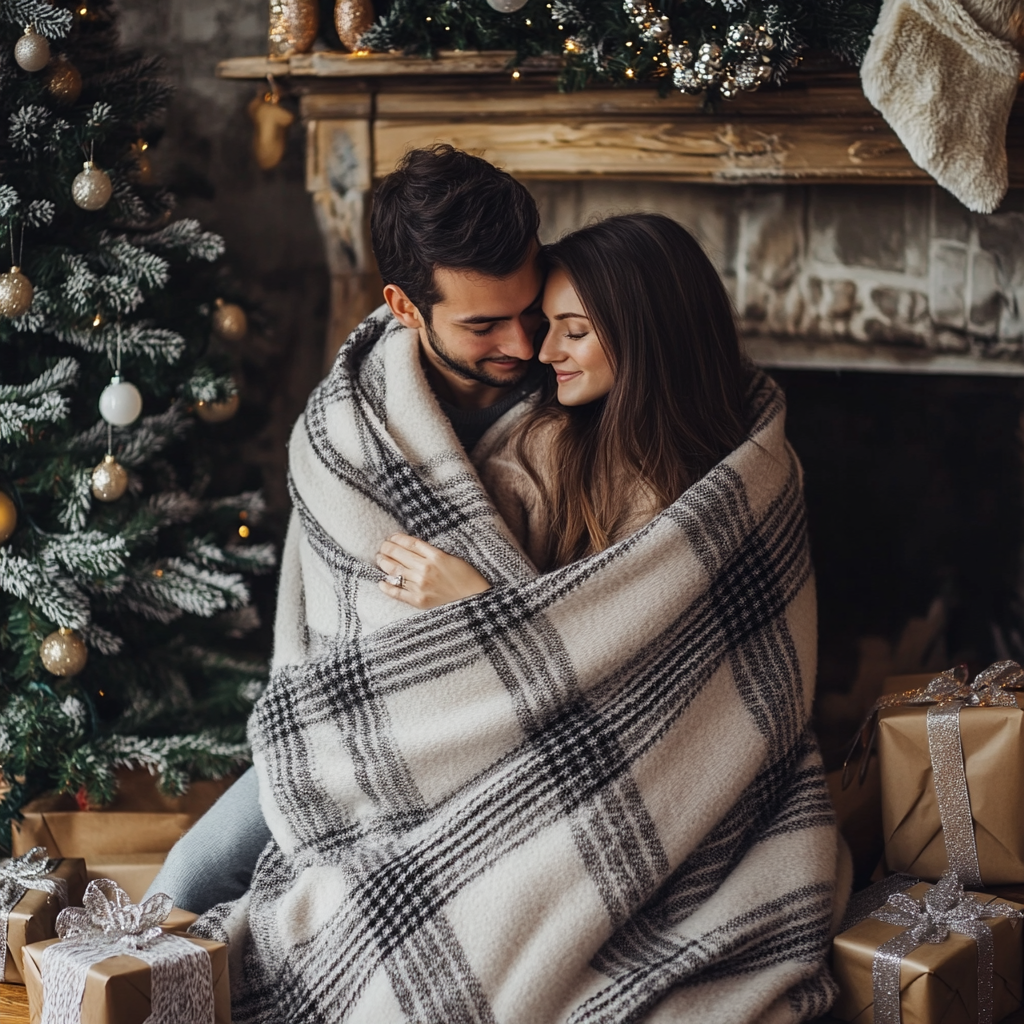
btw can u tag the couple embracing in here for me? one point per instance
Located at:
(535, 747)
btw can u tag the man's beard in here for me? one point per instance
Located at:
(469, 371)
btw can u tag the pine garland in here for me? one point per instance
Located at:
(611, 41)
(157, 582)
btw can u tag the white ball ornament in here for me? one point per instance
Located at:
(91, 189)
(506, 6)
(120, 403)
(32, 51)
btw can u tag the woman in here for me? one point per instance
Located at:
(646, 396)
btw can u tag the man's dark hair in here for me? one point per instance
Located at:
(444, 208)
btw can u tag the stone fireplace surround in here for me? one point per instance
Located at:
(841, 258)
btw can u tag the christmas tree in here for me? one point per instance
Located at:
(123, 595)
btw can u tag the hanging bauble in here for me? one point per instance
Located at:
(63, 81)
(32, 51)
(661, 29)
(293, 27)
(680, 55)
(710, 54)
(218, 412)
(687, 80)
(506, 6)
(120, 403)
(15, 293)
(728, 87)
(229, 321)
(741, 36)
(8, 516)
(271, 121)
(63, 653)
(352, 18)
(763, 41)
(91, 189)
(109, 480)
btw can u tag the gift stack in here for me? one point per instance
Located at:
(127, 841)
(951, 768)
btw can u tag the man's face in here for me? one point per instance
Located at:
(484, 328)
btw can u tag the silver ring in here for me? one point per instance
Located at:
(395, 581)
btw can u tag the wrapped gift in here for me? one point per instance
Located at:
(133, 872)
(33, 890)
(951, 755)
(931, 953)
(140, 820)
(121, 963)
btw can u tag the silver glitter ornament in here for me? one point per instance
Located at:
(660, 29)
(506, 6)
(747, 74)
(687, 80)
(680, 55)
(15, 293)
(32, 51)
(710, 54)
(728, 87)
(741, 35)
(91, 189)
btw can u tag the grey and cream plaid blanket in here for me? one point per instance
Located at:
(584, 796)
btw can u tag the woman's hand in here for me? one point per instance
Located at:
(429, 576)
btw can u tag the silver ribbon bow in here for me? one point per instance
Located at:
(109, 924)
(17, 876)
(945, 908)
(948, 693)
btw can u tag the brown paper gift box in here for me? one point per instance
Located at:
(141, 819)
(993, 744)
(34, 916)
(938, 982)
(133, 872)
(118, 989)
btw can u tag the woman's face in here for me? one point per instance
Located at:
(572, 346)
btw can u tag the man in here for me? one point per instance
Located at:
(456, 243)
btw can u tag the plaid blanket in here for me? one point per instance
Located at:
(584, 796)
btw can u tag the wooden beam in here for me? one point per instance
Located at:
(709, 150)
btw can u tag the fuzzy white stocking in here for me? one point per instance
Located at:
(944, 74)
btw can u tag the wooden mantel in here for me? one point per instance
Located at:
(363, 112)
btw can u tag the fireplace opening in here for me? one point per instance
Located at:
(914, 495)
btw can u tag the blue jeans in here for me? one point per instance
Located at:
(213, 862)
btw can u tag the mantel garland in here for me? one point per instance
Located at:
(717, 47)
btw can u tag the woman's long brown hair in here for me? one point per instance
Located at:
(675, 410)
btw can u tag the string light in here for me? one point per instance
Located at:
(243, 531)
(515, 74)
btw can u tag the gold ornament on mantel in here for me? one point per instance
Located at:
(352, 18)
(63, 653)
(271, 121)
(63, 81)
(293, 27)
(109, 479)
(229, 321)
(15, 293)
(8, 517)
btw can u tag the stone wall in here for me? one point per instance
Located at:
(883, 265)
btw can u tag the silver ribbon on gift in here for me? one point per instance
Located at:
(945, 908)
(17, 876)
(109, 924)
(948, 694)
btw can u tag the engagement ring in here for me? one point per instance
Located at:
(396, 581)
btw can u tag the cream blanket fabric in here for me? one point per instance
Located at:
(586, 796)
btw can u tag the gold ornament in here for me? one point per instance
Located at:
(229, 321)
(109, 479)
(8, 517)
(293, 27)
(143, 173)
(352, 18)
(15, 293)
(32, 51)
(271, 121)
(218, 412)
(63, 653)
(91, 189)
(63, 81)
